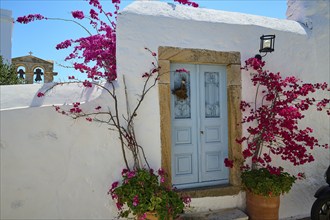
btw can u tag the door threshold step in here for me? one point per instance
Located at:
(223, 214)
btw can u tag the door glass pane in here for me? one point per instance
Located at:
(182, 107)
(212, 107)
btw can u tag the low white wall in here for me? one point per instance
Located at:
(53, 167)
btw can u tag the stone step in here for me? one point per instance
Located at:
(224, 214)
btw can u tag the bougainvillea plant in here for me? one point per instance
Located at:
(273, 130)
(145, 191)
(95, 56)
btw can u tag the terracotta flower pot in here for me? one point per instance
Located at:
(262, 207)
(149, 216)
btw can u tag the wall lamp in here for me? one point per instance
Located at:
(267, 43)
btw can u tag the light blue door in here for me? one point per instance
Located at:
(199, 126)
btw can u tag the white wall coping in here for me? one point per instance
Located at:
(163, 9)
(25, 96)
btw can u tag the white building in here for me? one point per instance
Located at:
(62, 168)
(6, 28)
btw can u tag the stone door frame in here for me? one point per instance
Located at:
(232, 61)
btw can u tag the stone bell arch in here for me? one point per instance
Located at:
(35, 69)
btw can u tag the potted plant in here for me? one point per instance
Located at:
(144, 193)
(263, 190)
(273, 135)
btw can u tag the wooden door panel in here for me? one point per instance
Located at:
(199, 126)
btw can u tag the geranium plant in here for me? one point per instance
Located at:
(142, 191)
(273, 132)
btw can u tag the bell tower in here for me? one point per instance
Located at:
(33, 69)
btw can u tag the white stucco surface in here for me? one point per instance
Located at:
(56, 167)
(6, 22)
(297, 52)
(53, 167)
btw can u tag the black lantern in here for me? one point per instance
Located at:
(267, 43)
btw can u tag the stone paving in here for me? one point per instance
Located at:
(226, 214)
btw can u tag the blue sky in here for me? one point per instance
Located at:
(41, 37)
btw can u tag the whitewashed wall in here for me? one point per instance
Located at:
(54, 167)
(299, 50)
(6, 22)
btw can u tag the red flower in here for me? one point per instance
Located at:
(161, 172)
(93, 14)
(78, 14)
(87, 84)
(40, 94)
(229, 163)
(182, 70)
(187, 2)
(301, 176)
(63, 45)
(247, 153)
(124, 172)
(119, 205)
(29, 18)
(135, 200)
(145, 75)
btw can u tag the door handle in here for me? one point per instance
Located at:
(202, 132)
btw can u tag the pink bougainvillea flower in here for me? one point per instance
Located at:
(186, 199)
(57, 108)
(113, 186)
(78, 14)
(182, 70)
(124, 172)
(119, 205)
(187, 2)
(301, 176)
(161, 172)
(63, 45)
(96, 4)
(87, 83)
(40, 94)
(130, 174)
(94, 14)
(136, 200)
(145, 75)
(29, 18)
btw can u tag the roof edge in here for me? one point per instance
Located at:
(163, 9)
